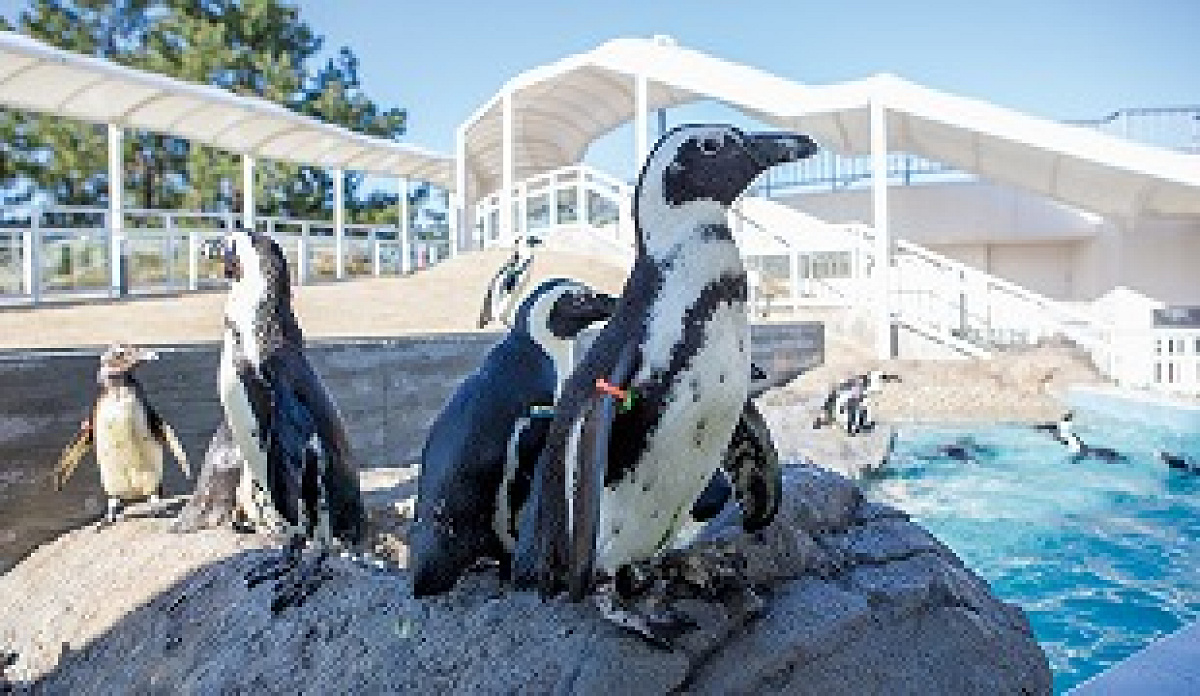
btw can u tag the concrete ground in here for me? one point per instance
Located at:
(445, 298)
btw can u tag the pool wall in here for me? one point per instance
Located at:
(388, 390)
(1126, 404)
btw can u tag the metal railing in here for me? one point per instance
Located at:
(577, 196)
(1175, 366)
(67, 252)
(987, 311)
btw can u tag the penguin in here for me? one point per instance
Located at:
(214, 501)
(1080, 451)
(299, 479)
(127, 432)
(479, 451)
(613, 484)
(846, 403)
(1061, 430)
(507, 283)
(1179, 462)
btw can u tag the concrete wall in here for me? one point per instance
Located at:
(388, 390)
(1030, 240)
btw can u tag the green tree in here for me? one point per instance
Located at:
(253, 47)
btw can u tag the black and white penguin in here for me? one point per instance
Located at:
(506, 285)
(1179, 462)
(1080, 450)
(846, 403)
(214, 501)
(614, 484)
(480, 450)
(300, 478)
(128, 434)
(1060, 430)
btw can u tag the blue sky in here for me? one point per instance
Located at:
(1053, 58)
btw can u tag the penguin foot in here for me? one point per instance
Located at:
(303, 579)
(642, 596)
(297, 575)
(278, 563)
(659, 625)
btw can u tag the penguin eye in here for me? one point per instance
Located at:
(710, 146)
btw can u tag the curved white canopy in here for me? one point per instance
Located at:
(37, 77)
(561, 108)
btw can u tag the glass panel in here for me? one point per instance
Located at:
(568, 206)
(537, 213)
(73, 261)
(601, 211)
(11, 258)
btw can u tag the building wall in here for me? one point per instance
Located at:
(1030, 240)
(388, 391)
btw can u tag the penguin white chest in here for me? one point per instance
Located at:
(642, 513)
(129, 458)
(252, 492)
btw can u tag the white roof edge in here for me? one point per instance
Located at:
(19, 44)
(1060, 138)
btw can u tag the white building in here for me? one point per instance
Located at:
(997, 227)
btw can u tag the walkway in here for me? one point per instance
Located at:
(445, 298)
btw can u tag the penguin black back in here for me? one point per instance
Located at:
(471, 481)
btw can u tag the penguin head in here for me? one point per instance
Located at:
(559, 308)
(259, 302)
(120, 358)
(503, 288)
(708, 166)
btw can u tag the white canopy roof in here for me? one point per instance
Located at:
(37, 77)
(561, 108)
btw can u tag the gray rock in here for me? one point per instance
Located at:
(859, 601)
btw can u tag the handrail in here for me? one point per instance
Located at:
(1009, 287)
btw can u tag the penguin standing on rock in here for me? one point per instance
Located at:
(300, 479)
(506, 284)
(614, 484)
(480, 451)
(127, 432)
(846, 403)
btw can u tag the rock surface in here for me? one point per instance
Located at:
(860, 601)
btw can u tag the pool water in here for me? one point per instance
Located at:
(1103, 556)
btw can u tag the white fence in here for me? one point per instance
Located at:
(67, 252)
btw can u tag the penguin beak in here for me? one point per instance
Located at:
(575, 311)
(233, 267)
(770, 149)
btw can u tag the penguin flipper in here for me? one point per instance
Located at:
(590, 467)
(71, 456)
(752, 463)
(172, 442)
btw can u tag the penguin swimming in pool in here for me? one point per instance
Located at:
(479, 450)
(300, 478)
(1060, 430)
(127, 432)
(613, 487)
(1080, 450)
(1178, 462)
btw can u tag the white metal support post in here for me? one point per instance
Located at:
(339, 222)
(641, 147)
(506, 176)
(116, 210)
(405, 260)
(248, 192)
(879, 219)
(31, 256)
(460, 202)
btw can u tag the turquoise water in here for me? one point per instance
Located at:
(1104, 557)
